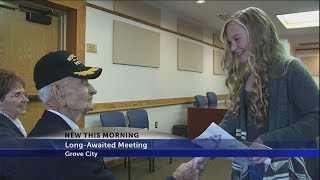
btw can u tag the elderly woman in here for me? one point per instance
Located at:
(13, 104)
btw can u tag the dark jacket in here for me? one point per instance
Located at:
(9, 130)
(63, 168)
(10, 136)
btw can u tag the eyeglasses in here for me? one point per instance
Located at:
(20, 95)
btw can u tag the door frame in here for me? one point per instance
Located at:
(75, 29)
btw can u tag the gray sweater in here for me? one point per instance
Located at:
(293, 108)
(293, 115)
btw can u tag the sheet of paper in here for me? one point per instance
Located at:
(223, 140)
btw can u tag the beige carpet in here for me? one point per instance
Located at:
(218, 168)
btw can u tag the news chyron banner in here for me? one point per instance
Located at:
(134, 142)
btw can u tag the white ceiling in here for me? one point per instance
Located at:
(207, 14)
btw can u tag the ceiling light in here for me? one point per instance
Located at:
(300, 20)
(200, 1)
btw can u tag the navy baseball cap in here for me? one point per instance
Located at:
(60, 64)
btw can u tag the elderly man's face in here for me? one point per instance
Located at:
(78, 95)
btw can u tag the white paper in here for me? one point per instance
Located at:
(217, 134)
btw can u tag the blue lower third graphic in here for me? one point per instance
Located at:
(139, 148)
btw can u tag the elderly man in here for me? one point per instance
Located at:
(62, 81)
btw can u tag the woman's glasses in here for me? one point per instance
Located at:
(20, 95)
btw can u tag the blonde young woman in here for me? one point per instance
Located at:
(274, 100)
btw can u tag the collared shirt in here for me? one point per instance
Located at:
(16, 122)
(71, 123)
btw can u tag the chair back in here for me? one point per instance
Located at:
(138, 118)
(212, 98)
(200, 101)
(113, 119)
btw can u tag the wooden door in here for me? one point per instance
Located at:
(22, 43)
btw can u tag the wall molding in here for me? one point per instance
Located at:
(149, 24)
(125, 105)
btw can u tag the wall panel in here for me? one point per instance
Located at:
(139, 10)
(189, 29)
(217, 58)
(312, 63)
(133, 45)
(190, 56)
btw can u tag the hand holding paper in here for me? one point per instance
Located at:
(258, 144)
(223, 140)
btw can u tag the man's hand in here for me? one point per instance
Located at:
(186, 172)
(199, 163)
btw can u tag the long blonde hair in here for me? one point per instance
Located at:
(263, 48)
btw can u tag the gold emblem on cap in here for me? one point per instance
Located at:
(87, 72)
(74, 59)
